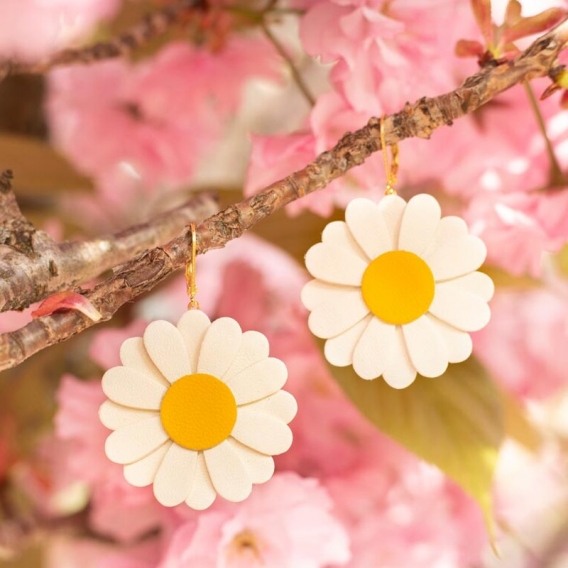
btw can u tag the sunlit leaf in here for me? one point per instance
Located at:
(67, 301)
(469, 48)
(513, 12)
(482, 12)
(534, 25)
(517, 425)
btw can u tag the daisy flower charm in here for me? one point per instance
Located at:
(197, 410)
(396, 289)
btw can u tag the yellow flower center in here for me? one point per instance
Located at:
(198, 411)
(398, 287)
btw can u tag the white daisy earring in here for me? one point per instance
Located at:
(396, 289)
(197, 409)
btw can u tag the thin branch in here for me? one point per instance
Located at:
(151, 26)
(415, 120)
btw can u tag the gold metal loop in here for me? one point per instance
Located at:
(190, 274)
(391, 167)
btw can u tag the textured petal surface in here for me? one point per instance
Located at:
(261, 432)
(260, 467)
(220, 345)
(166, 348)
(282, 405)
(143, 472)
(202, 493)
(133, 354)
(335, 265)
(457, 257)
(130, 388)
(192, 327)
(175, 476)
(228, 473)
(316, 292)
(392, 208)
(419, 222)
(399, 371)
(337, 234)
(254, 348)
(476, 283)
(459, 308)
(258, 381)
(115, 416)
(459, 343)
(338, 314)
(426, 347)
(135, 441)
(371, 353)
(368, 227)
(339, 350)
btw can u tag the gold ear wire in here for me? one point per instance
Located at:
(391, 167)
(190, 274)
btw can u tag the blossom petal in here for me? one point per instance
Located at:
(166, 348)
(133, 354)
(130, 388)
(135, 441)
(258, 381)
(192, 327)
(202, 493)
(399, 371)
(337, 234)
(339, 350)
(392, 208)
(426, 347)
(338, 314)
(459, 342)
(419, 222)
(143, 472)
(459, 308)
(368, 227)
(228, 474)
(371, 352)
(254, 348)
(457, 257)
(448, 229)
(261, 432)
(260, 467)
(175, 476)
(335, 265)
(316, 292)
(114, 416)
(282, 405)
(476, 283)
(220, 345)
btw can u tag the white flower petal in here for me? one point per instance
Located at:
(459, 343)
(426, 347)
(316, 292)
(419, 222)
(260, 467)
(371, 352)
(130, 388)
(337, 234)
(261, 432)
(459, 308)
(392, 207)
(338, 314)
(143, 472)
(449, 228)
(135, 441)
(335, 265)
(133, 354)
(457, 257)
(254, 348)
(258, 381)
(175, 476)
(192, 326)
(220, 345)
(282, 405)
(368, 227)
(166, 348)
(399, 371)
(202, 493)
(339, 350)
(476, 283)
(228, 474)
(114, 416)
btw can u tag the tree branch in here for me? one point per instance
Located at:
(415, 120)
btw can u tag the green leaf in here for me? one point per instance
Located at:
(454, 422)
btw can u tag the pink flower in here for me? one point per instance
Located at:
(286, 523)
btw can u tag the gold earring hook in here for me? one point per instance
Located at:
(190, 271)
(391, 168)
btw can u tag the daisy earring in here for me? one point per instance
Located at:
(197, 409)
(396, 289)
